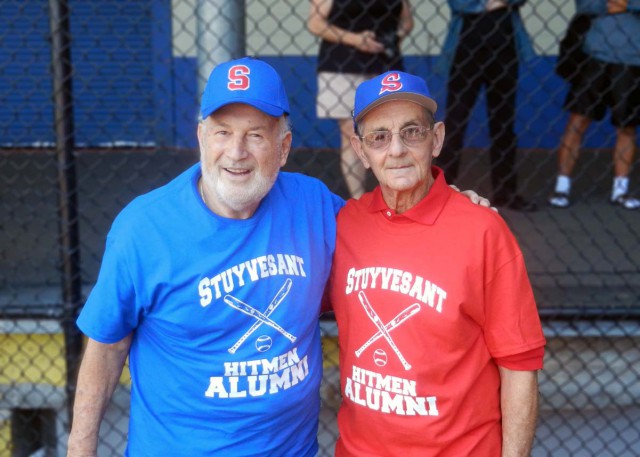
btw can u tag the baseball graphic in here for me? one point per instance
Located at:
(263, 343)
(380, 357)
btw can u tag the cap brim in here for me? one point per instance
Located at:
(420, 99)
(262, 106)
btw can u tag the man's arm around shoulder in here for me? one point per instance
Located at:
(97, 379)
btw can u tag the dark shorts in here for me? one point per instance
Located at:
(607, 85)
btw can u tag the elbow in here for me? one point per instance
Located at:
(312, 26)
(407, 25)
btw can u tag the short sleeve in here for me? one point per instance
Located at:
(526, 361)
(111, 311)
(633, 6)
(512, 324)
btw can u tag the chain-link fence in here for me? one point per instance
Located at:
(100, 104)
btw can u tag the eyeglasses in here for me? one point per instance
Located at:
(410, 136)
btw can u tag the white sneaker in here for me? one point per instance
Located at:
(626, 202)
(559, 200)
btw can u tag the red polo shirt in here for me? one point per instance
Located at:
(426, 302)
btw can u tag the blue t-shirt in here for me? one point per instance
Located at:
(612, 38)
(225, 357)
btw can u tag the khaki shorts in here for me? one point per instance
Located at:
(336, 94)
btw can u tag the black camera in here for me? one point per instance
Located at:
(390, 41)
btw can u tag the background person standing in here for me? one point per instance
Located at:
(360, 39)
(484, 46)
(610, 80)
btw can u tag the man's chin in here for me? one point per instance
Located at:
(239, 198)
(240, 194)
(401, 184)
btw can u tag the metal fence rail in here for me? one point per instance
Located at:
(99, 103)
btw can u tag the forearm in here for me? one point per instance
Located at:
(333, 34)
(405, 26)
(318, 24)
(519, 407)
(97, 379)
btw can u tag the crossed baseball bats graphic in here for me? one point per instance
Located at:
(261, 318)
(384, 329)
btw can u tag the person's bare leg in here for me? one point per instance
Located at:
(569, 148)
(568, 153)
(624, 151)
(353, 171)
(623, 154)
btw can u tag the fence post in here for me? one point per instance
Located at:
(67, 189)
(220, 35)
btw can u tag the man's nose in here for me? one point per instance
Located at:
(237, 147)
(397, 146)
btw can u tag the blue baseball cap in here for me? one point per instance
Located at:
(249, 81)
(392, 85)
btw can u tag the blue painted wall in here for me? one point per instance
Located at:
(122, 73)
(129, 89)
(26, 112)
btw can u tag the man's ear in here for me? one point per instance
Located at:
(356, 144)
(286, 148)
(200, 133)
(438, 138)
